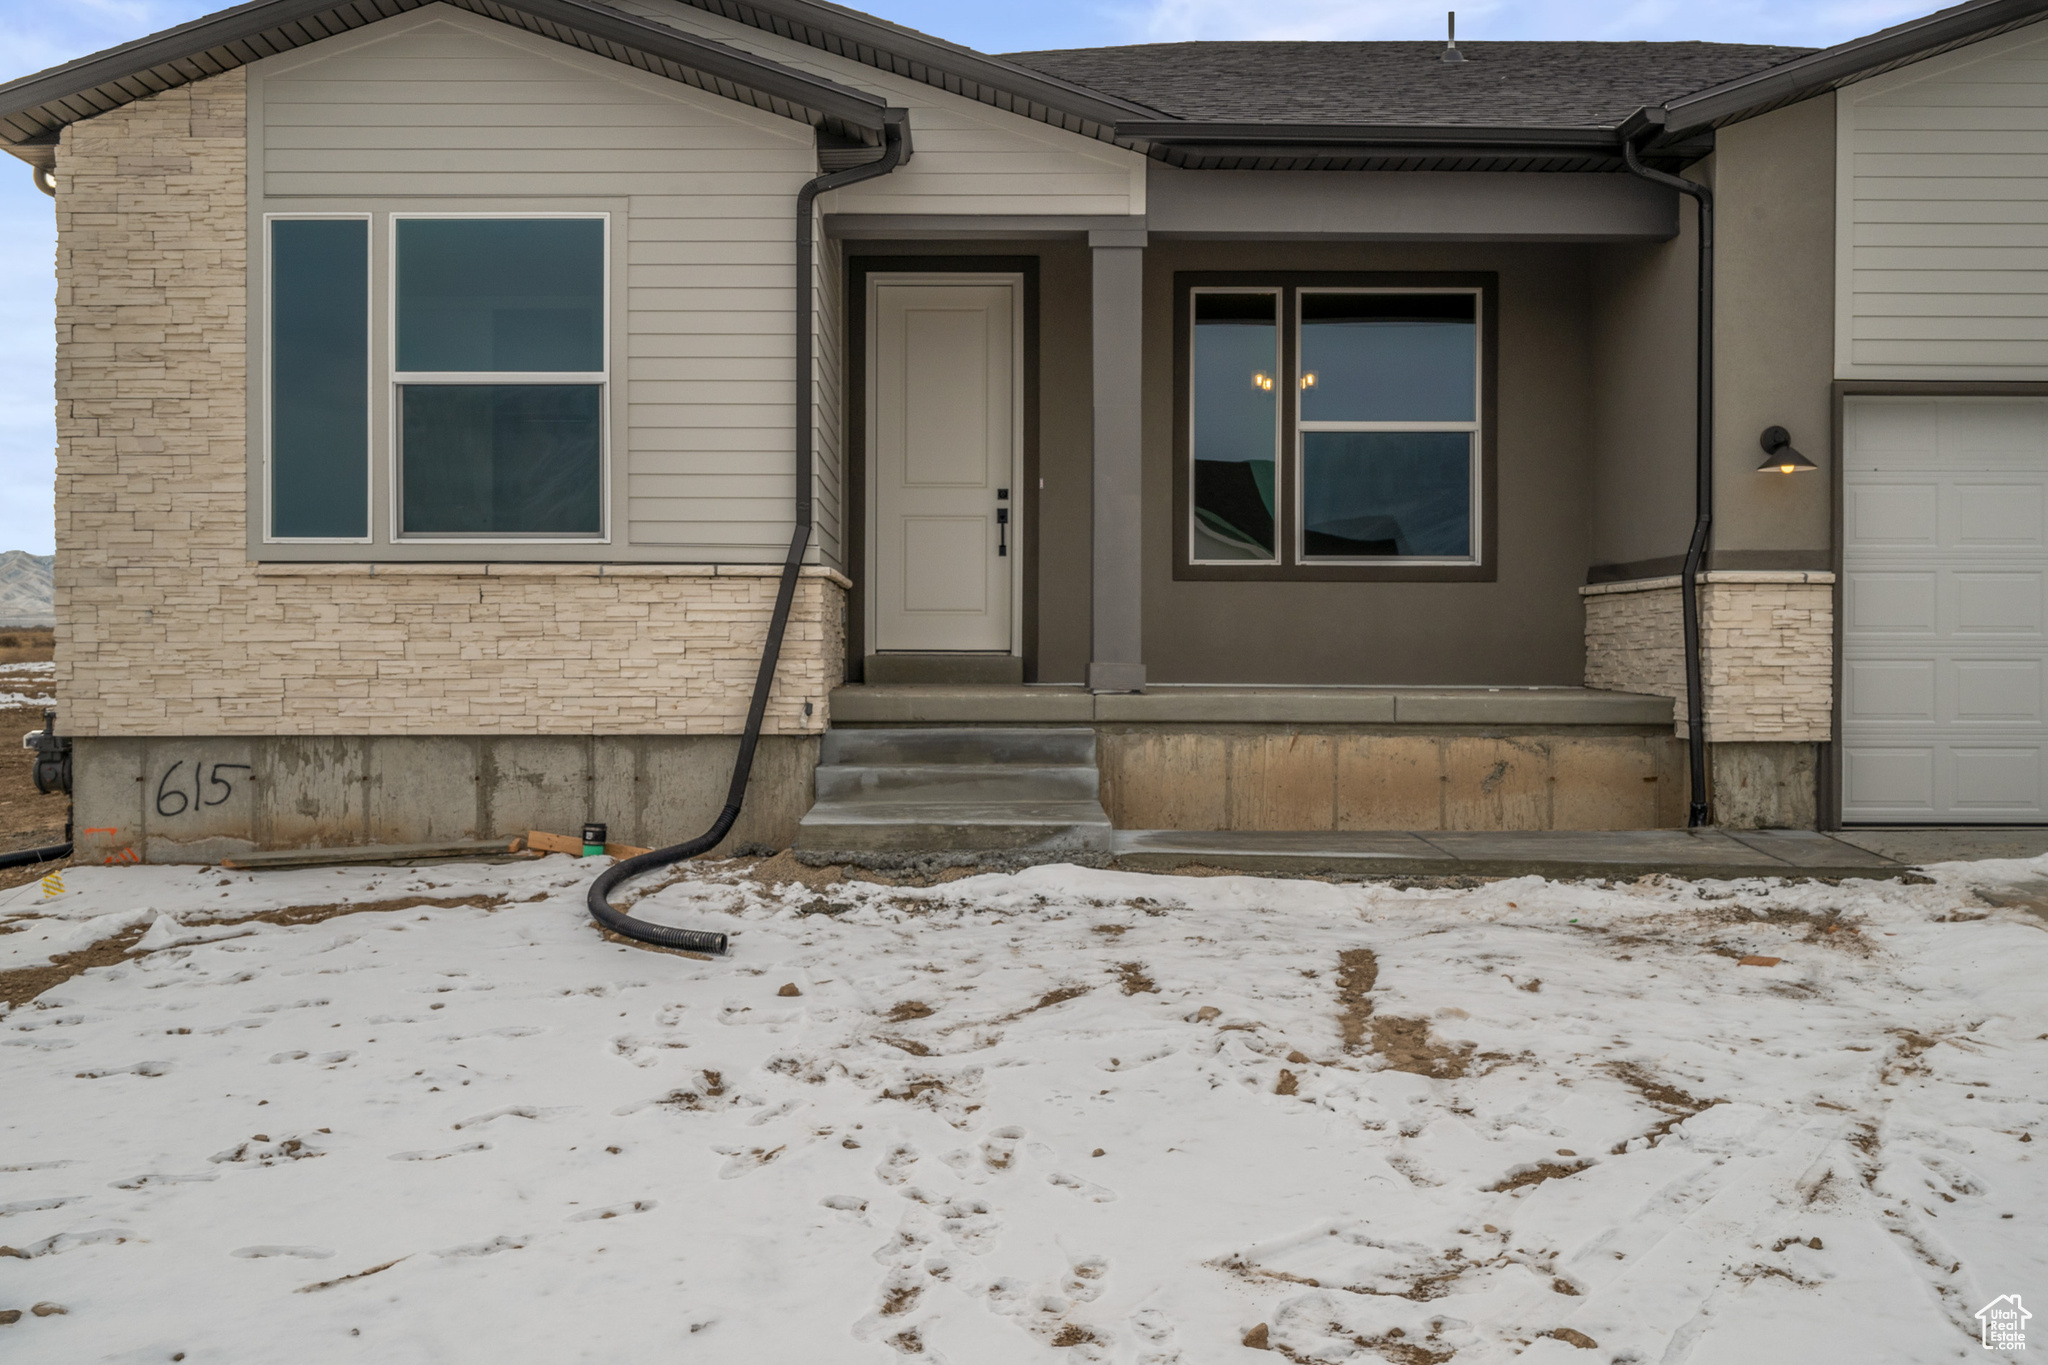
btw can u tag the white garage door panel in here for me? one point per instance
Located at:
(1945, 610)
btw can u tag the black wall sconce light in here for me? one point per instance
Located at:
(1779, 454)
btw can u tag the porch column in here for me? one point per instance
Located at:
(1116, 647)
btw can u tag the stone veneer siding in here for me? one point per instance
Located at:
(1767, 657)
(167, 628)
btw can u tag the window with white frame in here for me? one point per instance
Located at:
(497, 361)
(1334, 427)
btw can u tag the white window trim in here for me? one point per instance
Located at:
(397, 378)
(1476, 458)
(1279, 296)
(268, 395)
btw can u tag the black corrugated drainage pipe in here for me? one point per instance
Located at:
(1703, 475)
(895, 151)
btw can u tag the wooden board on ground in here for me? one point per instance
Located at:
(370, 853)
(541, 841)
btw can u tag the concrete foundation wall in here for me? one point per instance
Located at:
(1320, 777)
(1765, 786)
(180, 799)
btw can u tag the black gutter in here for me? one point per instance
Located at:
(1856, 59)
(1703, 476)
(167, 57)
(895, 151)
(1432, 137)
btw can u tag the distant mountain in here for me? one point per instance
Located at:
(26, 597)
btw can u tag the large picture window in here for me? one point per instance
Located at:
(1334, 427)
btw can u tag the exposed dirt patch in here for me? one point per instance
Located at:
(1537, 1174)
(1358, 970)
(344, 1279)
(1131, 975)
(908, 1342)
(314, 914)
(1408, 1045)
(23, 984)
(1111, 930)
(908, 1010)
(784, 867)
(1289, 1084)
(1571, 1336)
(1057, 996)
(900, 1300)
(1393, 1345)
(28, 818)
(1679, 1104)
(1073, 1334)
(909, 1045)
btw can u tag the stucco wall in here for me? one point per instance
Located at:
(1772, 179)
(168, 628)
(1522, 629)
(1774, 310)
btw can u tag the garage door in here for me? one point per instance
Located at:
(1944, 653)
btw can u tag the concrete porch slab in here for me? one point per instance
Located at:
(1042, 704)
(1926, 845)
(1484, 853)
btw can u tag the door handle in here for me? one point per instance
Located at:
(1002, 532)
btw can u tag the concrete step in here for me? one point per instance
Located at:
(1027, 746)
(973, 782)
(857, 827)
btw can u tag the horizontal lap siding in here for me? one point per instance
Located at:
(1942, 249)
(454, 106)
(967, 157)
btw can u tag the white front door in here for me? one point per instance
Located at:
(1945, 610)
(942, 445)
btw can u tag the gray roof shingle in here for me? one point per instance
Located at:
(1500, 84)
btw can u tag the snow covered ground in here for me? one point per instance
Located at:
(1064, 1115)
(27, 684)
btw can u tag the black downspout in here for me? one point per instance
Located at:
(1703, 494)
(895, 134)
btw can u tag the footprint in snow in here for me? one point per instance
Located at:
(1086, 1188)
(970, 1223)
(490, 1248)
(1009, 1296)
(257, 1253)
(850, 1207)
(440, 1154)
(741, 1160)
(1155, 1329)
(1084, 1281)
(999, 1151)
(615, 1211)
(894, 1168)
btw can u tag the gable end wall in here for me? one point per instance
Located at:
(166, 627)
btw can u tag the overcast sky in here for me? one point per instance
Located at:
(35, 34)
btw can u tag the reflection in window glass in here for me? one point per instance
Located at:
(1373, 494)
(500, 294)
(1389, 357)
(1236, 405)
(319, 378)
(504, 459)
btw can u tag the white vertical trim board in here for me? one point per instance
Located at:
(1941, 260)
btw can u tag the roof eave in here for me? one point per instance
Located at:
(1234, 145)
(35, 106)
(1859, 59)
(933, 61)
